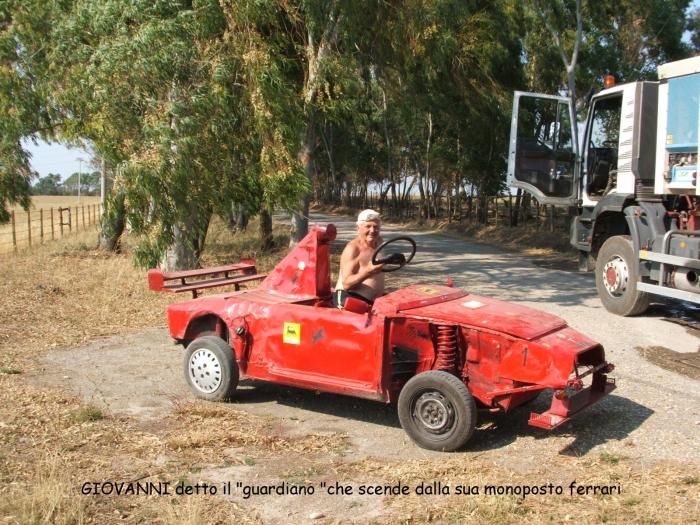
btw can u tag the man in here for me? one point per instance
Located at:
(358, 277)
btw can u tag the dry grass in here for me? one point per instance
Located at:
(69, 293)
(50, 501)
(528, 238)
(49, 201)
(200, 425)
(653, 496)
(41, 223)
(200, 509)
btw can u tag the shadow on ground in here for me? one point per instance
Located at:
(613, 419)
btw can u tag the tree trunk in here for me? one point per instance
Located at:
(300, 217)
(266, 240)
(188, 242)
(113, 221)
(180, 255)
(515, 211)
(427, 165)
(316, 54)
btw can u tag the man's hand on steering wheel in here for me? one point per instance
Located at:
(395, 260)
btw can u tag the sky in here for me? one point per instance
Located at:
(57, 158)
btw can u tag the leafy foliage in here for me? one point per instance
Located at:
(201, 107)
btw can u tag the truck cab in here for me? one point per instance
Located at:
(631, 179)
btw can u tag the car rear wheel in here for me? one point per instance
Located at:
(437, 411)
(210, 367)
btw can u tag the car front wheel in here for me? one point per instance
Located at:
(437, 411)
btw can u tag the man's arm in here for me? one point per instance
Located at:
(351, 272)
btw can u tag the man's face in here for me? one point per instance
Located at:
(368, 231)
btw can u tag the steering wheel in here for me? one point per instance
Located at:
(396, 260)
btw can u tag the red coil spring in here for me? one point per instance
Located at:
(446, 348)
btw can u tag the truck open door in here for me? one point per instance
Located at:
(542, 153)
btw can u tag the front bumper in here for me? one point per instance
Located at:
(562, 410)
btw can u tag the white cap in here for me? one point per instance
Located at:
(368, 215)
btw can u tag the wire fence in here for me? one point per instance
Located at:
(36, 227)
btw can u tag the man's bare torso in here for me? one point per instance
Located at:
(373, 286)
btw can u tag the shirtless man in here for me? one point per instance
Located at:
(358, 276)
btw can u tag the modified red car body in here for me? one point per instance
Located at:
(436, 350)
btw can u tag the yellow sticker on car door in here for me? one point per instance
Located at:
(292, 333)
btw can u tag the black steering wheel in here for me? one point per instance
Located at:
(396, 260)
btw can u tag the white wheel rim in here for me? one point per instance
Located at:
(615, 276)
(205, 371)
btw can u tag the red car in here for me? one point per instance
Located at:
(438, 351)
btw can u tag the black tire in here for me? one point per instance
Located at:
(616, 277)
(210, 368)
(437, 411)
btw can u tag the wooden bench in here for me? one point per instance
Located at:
(201, 279)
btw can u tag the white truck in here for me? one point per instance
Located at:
(633, 184)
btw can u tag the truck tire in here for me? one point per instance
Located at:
(437, 411)
(210, 368)
(616, 277)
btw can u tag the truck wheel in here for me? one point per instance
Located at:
(437, 411)
(211, 370)
(616, 278)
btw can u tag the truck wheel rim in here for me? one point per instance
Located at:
(615, 276)
(205, 370)
(434, 412)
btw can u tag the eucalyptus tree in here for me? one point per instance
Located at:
(456, 64)
(625, 38)
(23, 112)
(167, 91)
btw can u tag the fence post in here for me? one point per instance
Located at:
(551, 218)
(77, 222)
(52, 234)
(41, 227)
(495, 219)
(510, 210)
(60, 219)
(29, 227)
(14, 232)
(83, 212)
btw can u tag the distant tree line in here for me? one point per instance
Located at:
(236, 108)
(52, 184)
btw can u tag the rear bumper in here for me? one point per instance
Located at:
(562, 410)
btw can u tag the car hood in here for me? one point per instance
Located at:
(450, 305)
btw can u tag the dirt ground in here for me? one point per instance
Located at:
(645, 438)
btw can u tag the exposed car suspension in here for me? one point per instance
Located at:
(446, 348)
